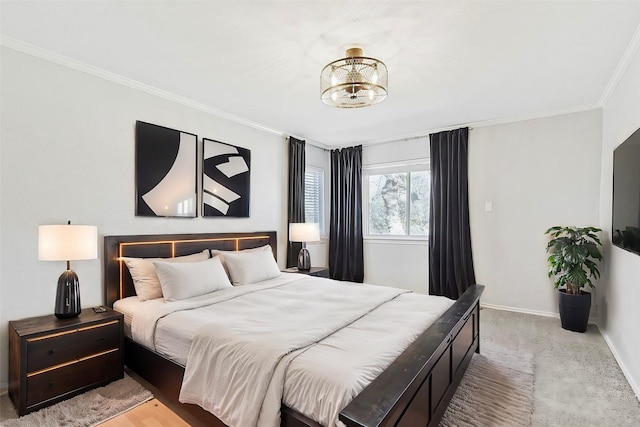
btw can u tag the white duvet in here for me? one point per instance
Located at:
(311, 343)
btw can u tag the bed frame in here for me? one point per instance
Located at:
(413, 391)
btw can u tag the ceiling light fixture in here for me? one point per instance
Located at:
(355, 81)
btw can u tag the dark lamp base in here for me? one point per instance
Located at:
(68, 296)
(304, 260)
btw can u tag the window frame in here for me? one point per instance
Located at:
(389, 168)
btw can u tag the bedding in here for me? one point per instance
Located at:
(128, 307)
(182, 280)
(246, 268)
(143, 273)
(220, 253)
(309, 327)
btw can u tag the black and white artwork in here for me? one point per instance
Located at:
(226, 173)
(165, 171)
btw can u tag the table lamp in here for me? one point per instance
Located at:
(67, 243)
(304, 232)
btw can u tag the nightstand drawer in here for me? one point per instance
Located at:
(54, 349)
(56, 382)
(53, 359)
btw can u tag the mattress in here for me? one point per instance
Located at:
(319, 380)
(127, 306)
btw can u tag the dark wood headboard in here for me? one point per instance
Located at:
(118, 282)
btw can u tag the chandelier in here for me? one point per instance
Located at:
(355, 81)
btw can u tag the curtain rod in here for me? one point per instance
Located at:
(369, 144)
(408, 138)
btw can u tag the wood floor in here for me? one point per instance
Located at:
(151, 413)
(158, 411)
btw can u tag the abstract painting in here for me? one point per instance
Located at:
(165, 171)
(226, 173)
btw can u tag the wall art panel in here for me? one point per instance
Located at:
(226, 183)
(165, 171)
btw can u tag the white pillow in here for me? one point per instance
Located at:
(187, 280)
(221, 254)
(145, 280)
(251, 267)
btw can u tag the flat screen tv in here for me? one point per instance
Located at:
(626, 194)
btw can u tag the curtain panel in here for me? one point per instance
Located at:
(450, 258)
(346, 260)
(296, 195)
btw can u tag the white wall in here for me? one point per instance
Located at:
(537, 174)
(68, 154)
(620, 315)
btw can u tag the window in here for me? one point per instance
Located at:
(397, 199)
(314, 196)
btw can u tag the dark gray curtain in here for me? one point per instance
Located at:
(296, 195)
(345, 235)
(450, 258)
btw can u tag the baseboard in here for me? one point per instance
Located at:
(592, 320)
(520, 310)
(634, 386)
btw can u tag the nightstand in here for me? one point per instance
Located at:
(53, 359)
(315, 271)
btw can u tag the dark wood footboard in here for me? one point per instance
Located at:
(416, 388)
(413, 391)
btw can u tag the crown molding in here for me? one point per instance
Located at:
(532, 116)
(627, 56)
(483, 123)
(130, 83)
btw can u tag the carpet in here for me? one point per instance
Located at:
(496, 390)
(87, 409)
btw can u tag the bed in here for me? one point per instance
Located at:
(413, 390)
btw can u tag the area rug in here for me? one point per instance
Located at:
(496, 390)
(87, 409)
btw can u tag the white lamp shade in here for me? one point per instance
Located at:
(304, 232)
(67, 242)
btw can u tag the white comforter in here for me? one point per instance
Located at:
(287, 341)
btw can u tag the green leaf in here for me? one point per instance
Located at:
(593, 250)
(593, 268)
(577, 277)
(552, 229)
(573, 254)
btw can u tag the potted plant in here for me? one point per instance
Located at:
(573, 256)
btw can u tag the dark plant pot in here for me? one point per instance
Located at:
(574, 310)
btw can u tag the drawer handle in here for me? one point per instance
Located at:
(51, 385)
(51, 352)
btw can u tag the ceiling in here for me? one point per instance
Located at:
(450, 62)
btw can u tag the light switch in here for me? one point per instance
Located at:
(488, 206)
